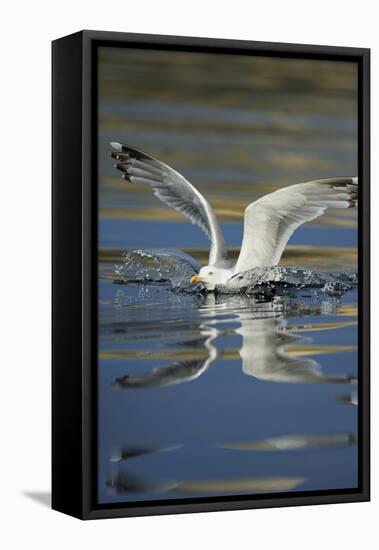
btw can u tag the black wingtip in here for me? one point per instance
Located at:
(119, 156)
(124, 151)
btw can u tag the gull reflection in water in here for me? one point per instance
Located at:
(264, 351)
(348, 399)
(126, 453)
(124, 482)
(295, 442)
(270, 349)
(177, 372)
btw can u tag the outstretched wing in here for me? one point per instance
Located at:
(271, 220)
(174, 190)
(176, 373)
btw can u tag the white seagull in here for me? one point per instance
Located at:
(269, 221)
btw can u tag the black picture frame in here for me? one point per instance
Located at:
(74, 268)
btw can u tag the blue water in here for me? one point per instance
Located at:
(224, 405)
(224, 395)
(123, 233)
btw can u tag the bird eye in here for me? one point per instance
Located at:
(210, 273)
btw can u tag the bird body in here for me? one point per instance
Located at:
(269, 222)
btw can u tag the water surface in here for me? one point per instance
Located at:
(203, 394)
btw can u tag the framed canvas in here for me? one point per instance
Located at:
(210, 275)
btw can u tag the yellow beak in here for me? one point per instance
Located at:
(196, 279)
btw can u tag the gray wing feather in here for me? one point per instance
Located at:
(174, 190)
(271, 220)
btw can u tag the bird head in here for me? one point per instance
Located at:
(211, 276)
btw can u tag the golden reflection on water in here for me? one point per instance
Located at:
(223, 213)
(240, 485)
(291, 351)
(328, 258)
(124, 483)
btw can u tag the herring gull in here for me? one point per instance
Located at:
(269, 222)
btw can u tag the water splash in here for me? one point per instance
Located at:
(156, 266)
(176, 268)
(278, 278)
